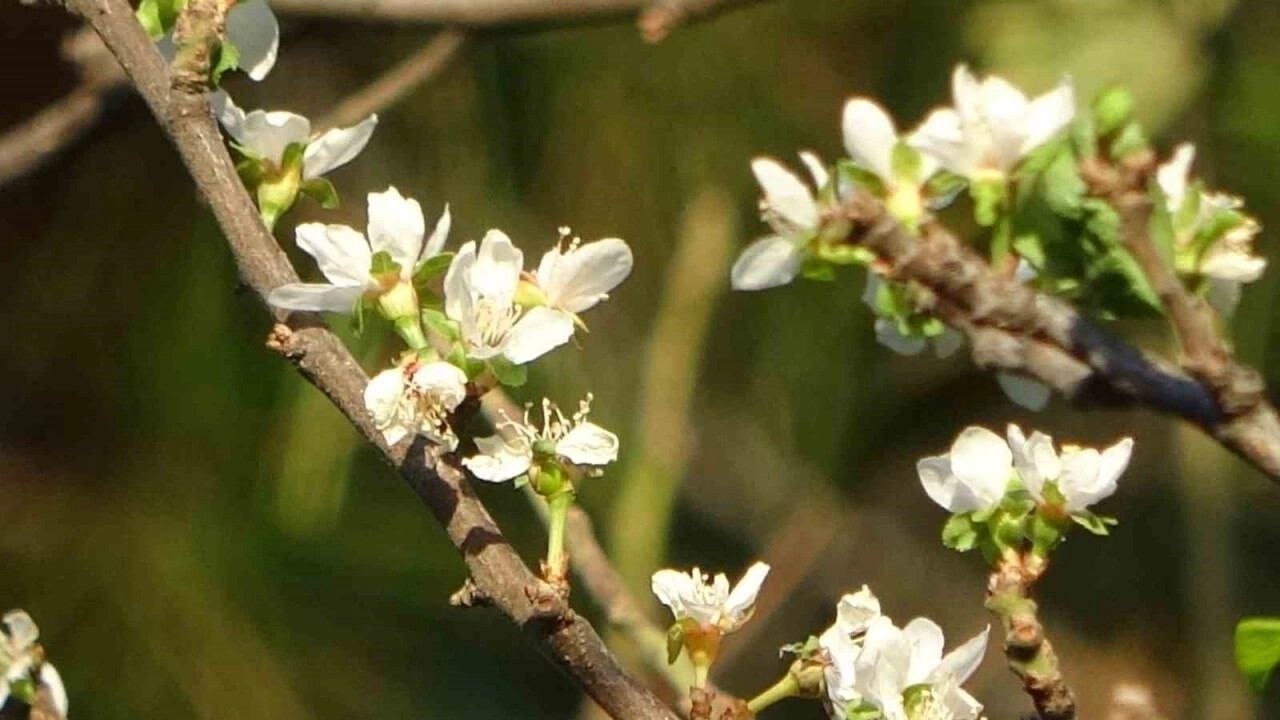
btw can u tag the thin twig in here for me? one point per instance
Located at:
(494, 567)
(1011, 327)
(398, 81)
(1030, 655)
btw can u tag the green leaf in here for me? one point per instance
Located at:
(322, 191)
(1112, 109)
(675, 642)
(508, 373)
(988, 200)
(440, 324)
(1130, 139)
(1258, 649)
(251, 172)
(228, 59)
(1028, 246)
(382, 264)
(433, 267)
(1060, 184)
(148, 14)
(1095, 524)
(959, 533)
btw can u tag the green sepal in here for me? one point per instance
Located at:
(227, 59)
(1130, 139)
(942, 188)
(906, 163)
(321, 191)
(251, 172)
(1029, 247)
(440, 324)
(1212, 230)
(989, 199)
(507, 372)
(520, 481)
(1096, 524)
(675, 642)
(1257, 641)
(1112, 109)
(291, 158)
(382, 264)
(458, 357)
(24, 689)
(430, 269)
(862, 711)
(801, 650)
(1161, 224)
(960, 533)
(1008, 530)
(357, 316)
(844, 254)
(1045, 534)
(817, 269)
(850, 175)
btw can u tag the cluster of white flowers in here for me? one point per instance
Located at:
(900, 673)
(976, 474)
(1229, 260)
(22, 659)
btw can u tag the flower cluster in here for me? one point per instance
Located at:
(1005, 493)
(23, 666)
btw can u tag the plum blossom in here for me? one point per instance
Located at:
(888, 334)
(709, 602)
(415, 398)
(842, 642)
(480, 294)
(992, 126)
(577, 441)
(20, 656)
(973, 476)
(346, 257)
(903, 673)
(1229, 260)
(576, 278)
(871, 139)
(792, 212)
(265, 135)
(1082, 476)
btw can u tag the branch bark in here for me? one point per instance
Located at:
(1030, 655)
(1011, 327)
(182, 109)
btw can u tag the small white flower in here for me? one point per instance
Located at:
(253, 29)
(707, 601)
(973, 476)
(842, 642)
(871, 139)
(19, 656)
(480, 293)
(887, 333)
(790, 209)
(265, 135)
(1230, 261)
(1083, 476)
(578, 277)
(345, 256)
(576, 440)
(992, 126)
(892, 660)
(415, 398)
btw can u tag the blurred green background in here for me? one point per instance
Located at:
(200, 535)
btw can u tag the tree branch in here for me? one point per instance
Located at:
(1011, 327)
(1031, 656)
(495, 569)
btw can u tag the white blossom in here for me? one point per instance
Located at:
(708, 601)
(1023, 391)
(255, 32)
(578, 277)
(893, 660)
(576, 440)
(871, 139)
(792, 212)
(415, 398)
(345, 256)
(19, 656)
(842, 642)
(264, 135)
(1230, 261)
(480, 294)
(973, 476)
(1083, 476)
(888, 335)
(992, 125)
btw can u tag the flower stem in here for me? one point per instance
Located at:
(787, 687)
(557, 562)
(700, 672)
(410, 329)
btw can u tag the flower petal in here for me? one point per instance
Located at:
(869, 137)
(887, 335)
(445, 383)
(1048, 114)
(817, 169)
(768, 262)
(1004, 109)
(580, 278)
(671, 587)
(341, 252)
(316, 297)
(336, 148)
(457, 287)
(498, 460)
(260, 133)
(946, 344)
(741, 601)
(588, 444)
(435, 243)
(396, 226)
(1082, 490)
(925, 640)
(856, 610)
(982, 462)
(941, 139)
(21, 629)
(942, 486)
(50, 678)
(785, 193)
(538, 332)
(253, 29)
(963, 662)
(1174, 175)
(497, 268)
(1024, 392)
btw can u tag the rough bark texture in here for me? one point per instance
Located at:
(1030, 655)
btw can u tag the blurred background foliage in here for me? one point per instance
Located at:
(200, 535)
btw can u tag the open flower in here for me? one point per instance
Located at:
(265, 136)
(707, 601)
(790, 209)
(1081, 476)
(415, 398)
(480, 294)
(872, 141)
(903, 673)
(842, 643)
(347, 258)
(576, 278)
(576, 441)
(250, 26)
(1227, 259)
(973, 476)
(992, 126)
(20, 655)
